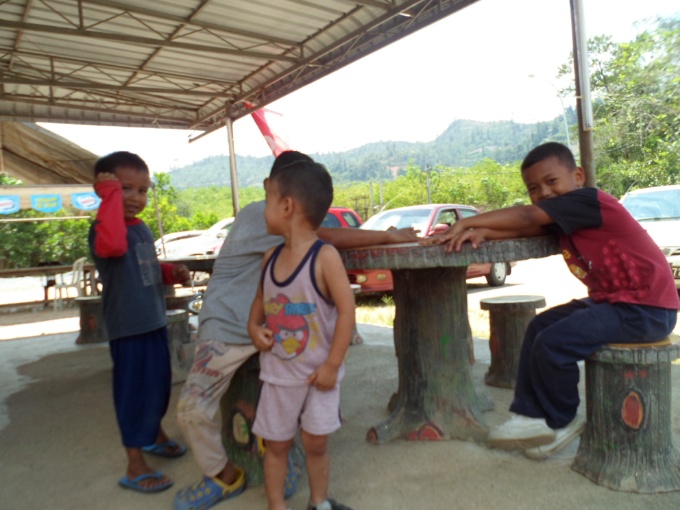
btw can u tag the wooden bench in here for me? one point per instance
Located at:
(509, 317)
(627, 442)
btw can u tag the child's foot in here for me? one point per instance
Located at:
(563, 438)
(170, 449)
(328, 504)
(208, 492)
(521, 432)
(146, 482)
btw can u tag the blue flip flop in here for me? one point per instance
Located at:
(169, 449)
(135, 483)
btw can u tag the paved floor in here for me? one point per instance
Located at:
(59, 446)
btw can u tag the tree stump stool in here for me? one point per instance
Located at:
(238, 415)
(238, 408)
(92, 328)
(509, 317)
(181, 347)
(627, 442)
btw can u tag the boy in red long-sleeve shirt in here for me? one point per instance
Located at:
(133, 301)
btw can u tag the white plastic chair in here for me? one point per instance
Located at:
(77, 281)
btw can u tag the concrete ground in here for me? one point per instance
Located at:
(60, 448)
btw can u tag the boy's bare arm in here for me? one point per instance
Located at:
(338, 288)
(520, 221)
(261, 337)
(346, 238)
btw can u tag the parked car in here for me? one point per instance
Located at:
(430, 219)
(658, 211)
(173, 237)
(195, 242)
(341, 217)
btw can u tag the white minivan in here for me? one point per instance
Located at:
(658, 211)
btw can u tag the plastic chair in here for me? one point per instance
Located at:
(77, 282)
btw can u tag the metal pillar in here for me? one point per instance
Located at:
(582, 80)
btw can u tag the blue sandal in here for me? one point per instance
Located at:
(135, 483)
(208, 492)
(170, 449)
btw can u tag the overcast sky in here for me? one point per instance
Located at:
(475, 64)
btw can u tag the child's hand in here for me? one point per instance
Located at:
(403, 235)
(324, 378)
(105, 176)
(262, 338)
(180, 273)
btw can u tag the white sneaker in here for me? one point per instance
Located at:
(521, 432)
(563, 438)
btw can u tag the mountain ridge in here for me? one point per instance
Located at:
(463, 144)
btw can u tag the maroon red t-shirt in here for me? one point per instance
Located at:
(609, 251)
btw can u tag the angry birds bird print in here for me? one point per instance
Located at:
(289, 326)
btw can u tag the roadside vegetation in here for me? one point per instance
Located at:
(636, 101)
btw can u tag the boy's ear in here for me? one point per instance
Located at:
(288, 206)
(580, 176)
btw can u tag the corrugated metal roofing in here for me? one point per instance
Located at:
(186, 64)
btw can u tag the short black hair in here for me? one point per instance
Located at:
(121, 159)
(286, 158)
(549, 150)
(310, 184)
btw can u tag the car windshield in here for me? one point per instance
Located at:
(416, 218)
(654, 205)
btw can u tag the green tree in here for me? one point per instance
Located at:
(636, 91)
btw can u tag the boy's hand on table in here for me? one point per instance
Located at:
(455, 236)
(403, 235)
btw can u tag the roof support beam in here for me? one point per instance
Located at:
(145, 41)
(102, 86)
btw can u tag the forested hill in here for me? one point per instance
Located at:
(463, 144)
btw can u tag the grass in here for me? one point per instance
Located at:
(378, 310)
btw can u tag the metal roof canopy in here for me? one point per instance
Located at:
(187, 64)
(191, 64)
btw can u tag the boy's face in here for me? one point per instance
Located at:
(135, 186)
(551, 178)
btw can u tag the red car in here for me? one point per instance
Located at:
(341, 217)
(430, 219)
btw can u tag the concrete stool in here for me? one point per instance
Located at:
(509, 317)
(92, 328)
(627, 443)
(181, 348)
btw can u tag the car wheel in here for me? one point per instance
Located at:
(496, 277)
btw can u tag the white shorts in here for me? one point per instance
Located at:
(283, 409)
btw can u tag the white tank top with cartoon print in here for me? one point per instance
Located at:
(301, 319)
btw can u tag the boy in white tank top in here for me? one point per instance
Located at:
(301, 320)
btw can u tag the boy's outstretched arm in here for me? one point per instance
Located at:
(337, 288)
(261, 337)
(519, 221)
(346, 238)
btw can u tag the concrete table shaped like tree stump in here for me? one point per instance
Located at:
(436, 398)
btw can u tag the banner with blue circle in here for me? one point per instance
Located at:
(46, 203)
(85, 201)
(9, 204)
